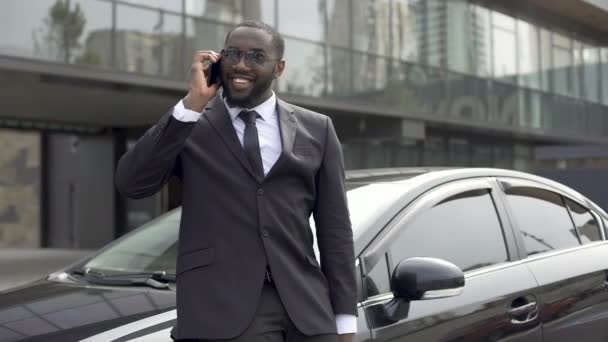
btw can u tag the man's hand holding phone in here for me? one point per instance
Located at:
(200, 90)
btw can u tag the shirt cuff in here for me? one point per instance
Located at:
(346, 324)
(180, 113)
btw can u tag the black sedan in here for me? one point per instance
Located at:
(442, 255)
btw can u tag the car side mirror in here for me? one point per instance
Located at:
(421, 279)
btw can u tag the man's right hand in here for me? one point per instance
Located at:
(200, 94)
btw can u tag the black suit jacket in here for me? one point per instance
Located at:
(233, 223)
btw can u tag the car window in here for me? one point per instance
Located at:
(542, 219)
(377, 280)
(152, 247)
(585, 223)
(463, 229)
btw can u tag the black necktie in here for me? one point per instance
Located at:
(251, 144)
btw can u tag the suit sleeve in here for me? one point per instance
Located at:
(334, 233)
(144, 169)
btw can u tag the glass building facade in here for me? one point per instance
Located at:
(407, 82)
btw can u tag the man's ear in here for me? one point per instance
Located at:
(279, 67)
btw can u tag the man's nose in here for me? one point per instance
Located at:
(241, 63)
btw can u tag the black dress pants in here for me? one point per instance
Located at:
(272, 324)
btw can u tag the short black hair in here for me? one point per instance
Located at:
(277, 39)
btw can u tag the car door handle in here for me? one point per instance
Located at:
(523, 314)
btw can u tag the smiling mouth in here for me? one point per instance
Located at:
(240, 83)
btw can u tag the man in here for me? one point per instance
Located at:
(253, 169)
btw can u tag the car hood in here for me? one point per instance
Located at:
(70, 311)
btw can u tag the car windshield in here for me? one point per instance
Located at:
(153, 247)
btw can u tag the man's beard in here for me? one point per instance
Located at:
(253, 98)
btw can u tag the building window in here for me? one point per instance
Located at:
(591, 72)
(529, 55)
(504, 47)
(303, 19)
(604, 79)
(19, 188)
(546, 59)
(370, 26)
(562, 63)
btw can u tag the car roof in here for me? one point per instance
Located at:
(420, 180)
(445, 174)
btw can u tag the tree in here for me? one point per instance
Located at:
(65, 26)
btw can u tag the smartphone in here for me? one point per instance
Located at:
(214, 73)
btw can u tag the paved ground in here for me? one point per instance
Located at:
(21, 265)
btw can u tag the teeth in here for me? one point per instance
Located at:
(240, 80)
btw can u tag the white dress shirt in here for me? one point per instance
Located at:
(269, 136)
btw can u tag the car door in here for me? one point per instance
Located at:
(459, 222)
(565, 249)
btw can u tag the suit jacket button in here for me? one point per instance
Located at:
(264, 233)
(260, 192)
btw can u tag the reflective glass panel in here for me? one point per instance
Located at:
(226, 11)
(267, 11)
(204, 35)
(304, 69)
(604, 57)
(171, 5)
(338, 22)
(462, 32)
(482, 54)
(591, 73)
(303, 19)
(463, 229)
(482, 156)
(370, 26)
(20, 179)
(407, 153)
(542, 219)
(503, 21)
(468, 98)
(377, 280)
(148, 41)
(405, 30)
(577, 69)
(504, 54)
(370, 75)
(152, 247)
(340, 72)
(546, 53)
(41, 33)
(562, 63)
(93, 46)
(433, 46)
(435, 151)
(585, 223)
(529, 55)
(459, 152)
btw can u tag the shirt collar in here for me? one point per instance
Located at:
(266, 109)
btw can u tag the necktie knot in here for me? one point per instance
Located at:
(249, 116)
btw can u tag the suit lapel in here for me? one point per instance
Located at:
(288, 125)
(220, 120)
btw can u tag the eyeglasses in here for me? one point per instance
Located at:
(252, 58)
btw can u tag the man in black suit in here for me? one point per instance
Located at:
(253, 168)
